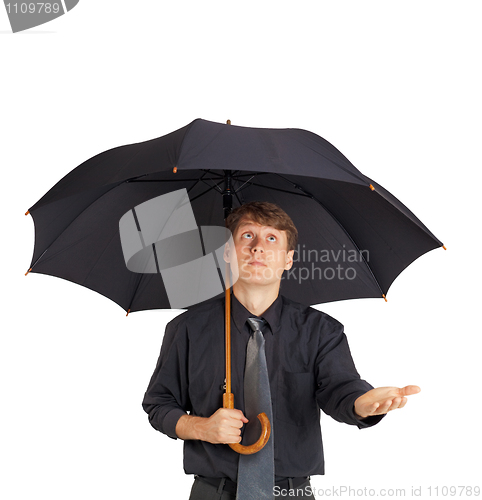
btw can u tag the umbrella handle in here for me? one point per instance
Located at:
(228, 402)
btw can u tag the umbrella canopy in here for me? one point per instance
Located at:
(354, 236)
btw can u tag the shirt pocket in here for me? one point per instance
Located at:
(295, 401)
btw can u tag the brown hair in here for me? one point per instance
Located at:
(266, 214)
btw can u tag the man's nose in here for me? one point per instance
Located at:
(257, 246)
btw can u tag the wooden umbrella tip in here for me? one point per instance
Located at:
(444, 247)
(27, 212)
(372, 188)
(128, 311)
(228, 122)
(383, 295)
(28, 271)
(174, 169)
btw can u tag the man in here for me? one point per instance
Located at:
(307, 355)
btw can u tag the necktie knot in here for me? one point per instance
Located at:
(256, 324)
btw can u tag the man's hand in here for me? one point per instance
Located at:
(384, 399)
(223, 426)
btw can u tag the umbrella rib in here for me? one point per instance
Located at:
(211, 173)
(32, 266)
(239, 201)
(197, 182)
(163, 180)
(169, 180)
(214, 173)
(135, 291)
(246, 175)
(241, 187)
(201, 194)
(182, 180)
(309, 195)
(278, 189)
(216, 186)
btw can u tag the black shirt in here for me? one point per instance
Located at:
(309, 366)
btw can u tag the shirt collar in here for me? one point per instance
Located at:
(272, 315)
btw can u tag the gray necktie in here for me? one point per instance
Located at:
(256, 472)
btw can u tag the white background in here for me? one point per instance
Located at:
(395, 86)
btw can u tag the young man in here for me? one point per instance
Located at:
(307, 355)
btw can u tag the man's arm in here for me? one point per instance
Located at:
(338, 383)
(167, 398)
(223, 426)
(342, 394)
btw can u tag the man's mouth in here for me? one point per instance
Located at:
(256, 263)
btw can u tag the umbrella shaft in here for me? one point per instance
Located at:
(227, 194)
(227, 329)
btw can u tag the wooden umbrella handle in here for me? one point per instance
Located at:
(228, 402)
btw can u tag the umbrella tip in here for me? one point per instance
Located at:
(228, 122)
(28, 271)
(383, 295)
(444, 247)
(128, 311)
(174, 169)
(27, 212)
(372, 188)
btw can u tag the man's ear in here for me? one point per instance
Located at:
(226, 255)
(289, 260)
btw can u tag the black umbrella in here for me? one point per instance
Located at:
(354, 236)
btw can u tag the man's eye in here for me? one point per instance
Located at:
(271, 238)
(247, 235)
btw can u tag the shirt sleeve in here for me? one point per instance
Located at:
(338, 382)
(167, 396)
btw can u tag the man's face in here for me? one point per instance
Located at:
(261, 253)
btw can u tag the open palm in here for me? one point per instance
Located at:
(383, 399)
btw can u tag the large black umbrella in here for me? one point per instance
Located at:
(354, 236)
